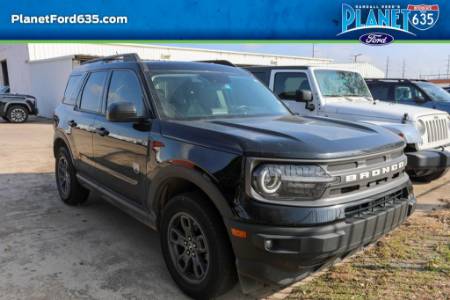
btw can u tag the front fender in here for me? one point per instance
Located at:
(196, 177)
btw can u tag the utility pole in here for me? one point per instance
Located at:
(403, 69)
(355, 57)
(448, 67)
(387, 67)
(313, 50)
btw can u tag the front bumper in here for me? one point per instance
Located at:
(284, 254)
(429, 159)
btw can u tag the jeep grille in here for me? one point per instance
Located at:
(436, 131)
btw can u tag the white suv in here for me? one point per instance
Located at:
(343, 94)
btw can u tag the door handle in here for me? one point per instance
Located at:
(101, 131)
(72, 123)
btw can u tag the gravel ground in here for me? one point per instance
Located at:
(51, 251)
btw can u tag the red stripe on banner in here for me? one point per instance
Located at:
(423, 7)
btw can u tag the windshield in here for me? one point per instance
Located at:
(435, 92)
(205, 94)
(334, 83)
(4, 89)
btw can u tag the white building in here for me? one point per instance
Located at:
(42, 69)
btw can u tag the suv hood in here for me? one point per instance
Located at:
(284, 136)
(377, 110)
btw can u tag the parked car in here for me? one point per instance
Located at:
(16, 108)
(233, 181)
(447, 89)
(336, 93)
(411, 92)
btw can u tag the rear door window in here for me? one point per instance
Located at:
(91, 99)
(71, 92)
(380, 92)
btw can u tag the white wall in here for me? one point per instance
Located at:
(152, 52)
(18, 68)
(49, 83)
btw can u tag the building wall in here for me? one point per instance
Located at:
(49, 82)
(152, 52)
(367, 70)
(19, 74)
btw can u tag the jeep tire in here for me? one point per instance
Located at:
(17, 114)
(69, 189)
(196, 247)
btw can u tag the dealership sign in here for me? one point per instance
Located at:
(392, 18)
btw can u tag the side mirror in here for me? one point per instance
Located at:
(121, 112)
(304, 96)
(298, 95)
(419, 99)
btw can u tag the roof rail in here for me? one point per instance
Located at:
(396, 79)
(134, 57)
(218, 62)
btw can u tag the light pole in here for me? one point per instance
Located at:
(355, 57)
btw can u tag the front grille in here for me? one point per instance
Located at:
(377, 204)
(355, 167)
(436, 130)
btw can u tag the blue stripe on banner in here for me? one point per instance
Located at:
(214, 19)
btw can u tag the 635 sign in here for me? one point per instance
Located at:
(423, 16)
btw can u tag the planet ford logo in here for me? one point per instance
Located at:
(376, 39)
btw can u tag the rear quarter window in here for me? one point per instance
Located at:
(71, 92)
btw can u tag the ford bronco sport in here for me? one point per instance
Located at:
(343, 94)
(236, 185)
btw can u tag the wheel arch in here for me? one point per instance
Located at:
(61, 141)
(173, 180)
(17, 103)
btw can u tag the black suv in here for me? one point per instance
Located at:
(16, 108)
(234, 182)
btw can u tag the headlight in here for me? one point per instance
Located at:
(277, 181)
(421, 127)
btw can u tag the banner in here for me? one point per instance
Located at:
(373, 22)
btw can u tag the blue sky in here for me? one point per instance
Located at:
(420, 59)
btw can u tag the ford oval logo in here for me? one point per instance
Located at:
(376, 39)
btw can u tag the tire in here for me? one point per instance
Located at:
(17, 114)
(430, 177)
(69, 189)
(207, 257)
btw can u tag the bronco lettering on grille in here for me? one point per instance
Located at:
(375, 172)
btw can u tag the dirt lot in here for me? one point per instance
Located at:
(51, 251)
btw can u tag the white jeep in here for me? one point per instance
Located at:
(343, 94)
